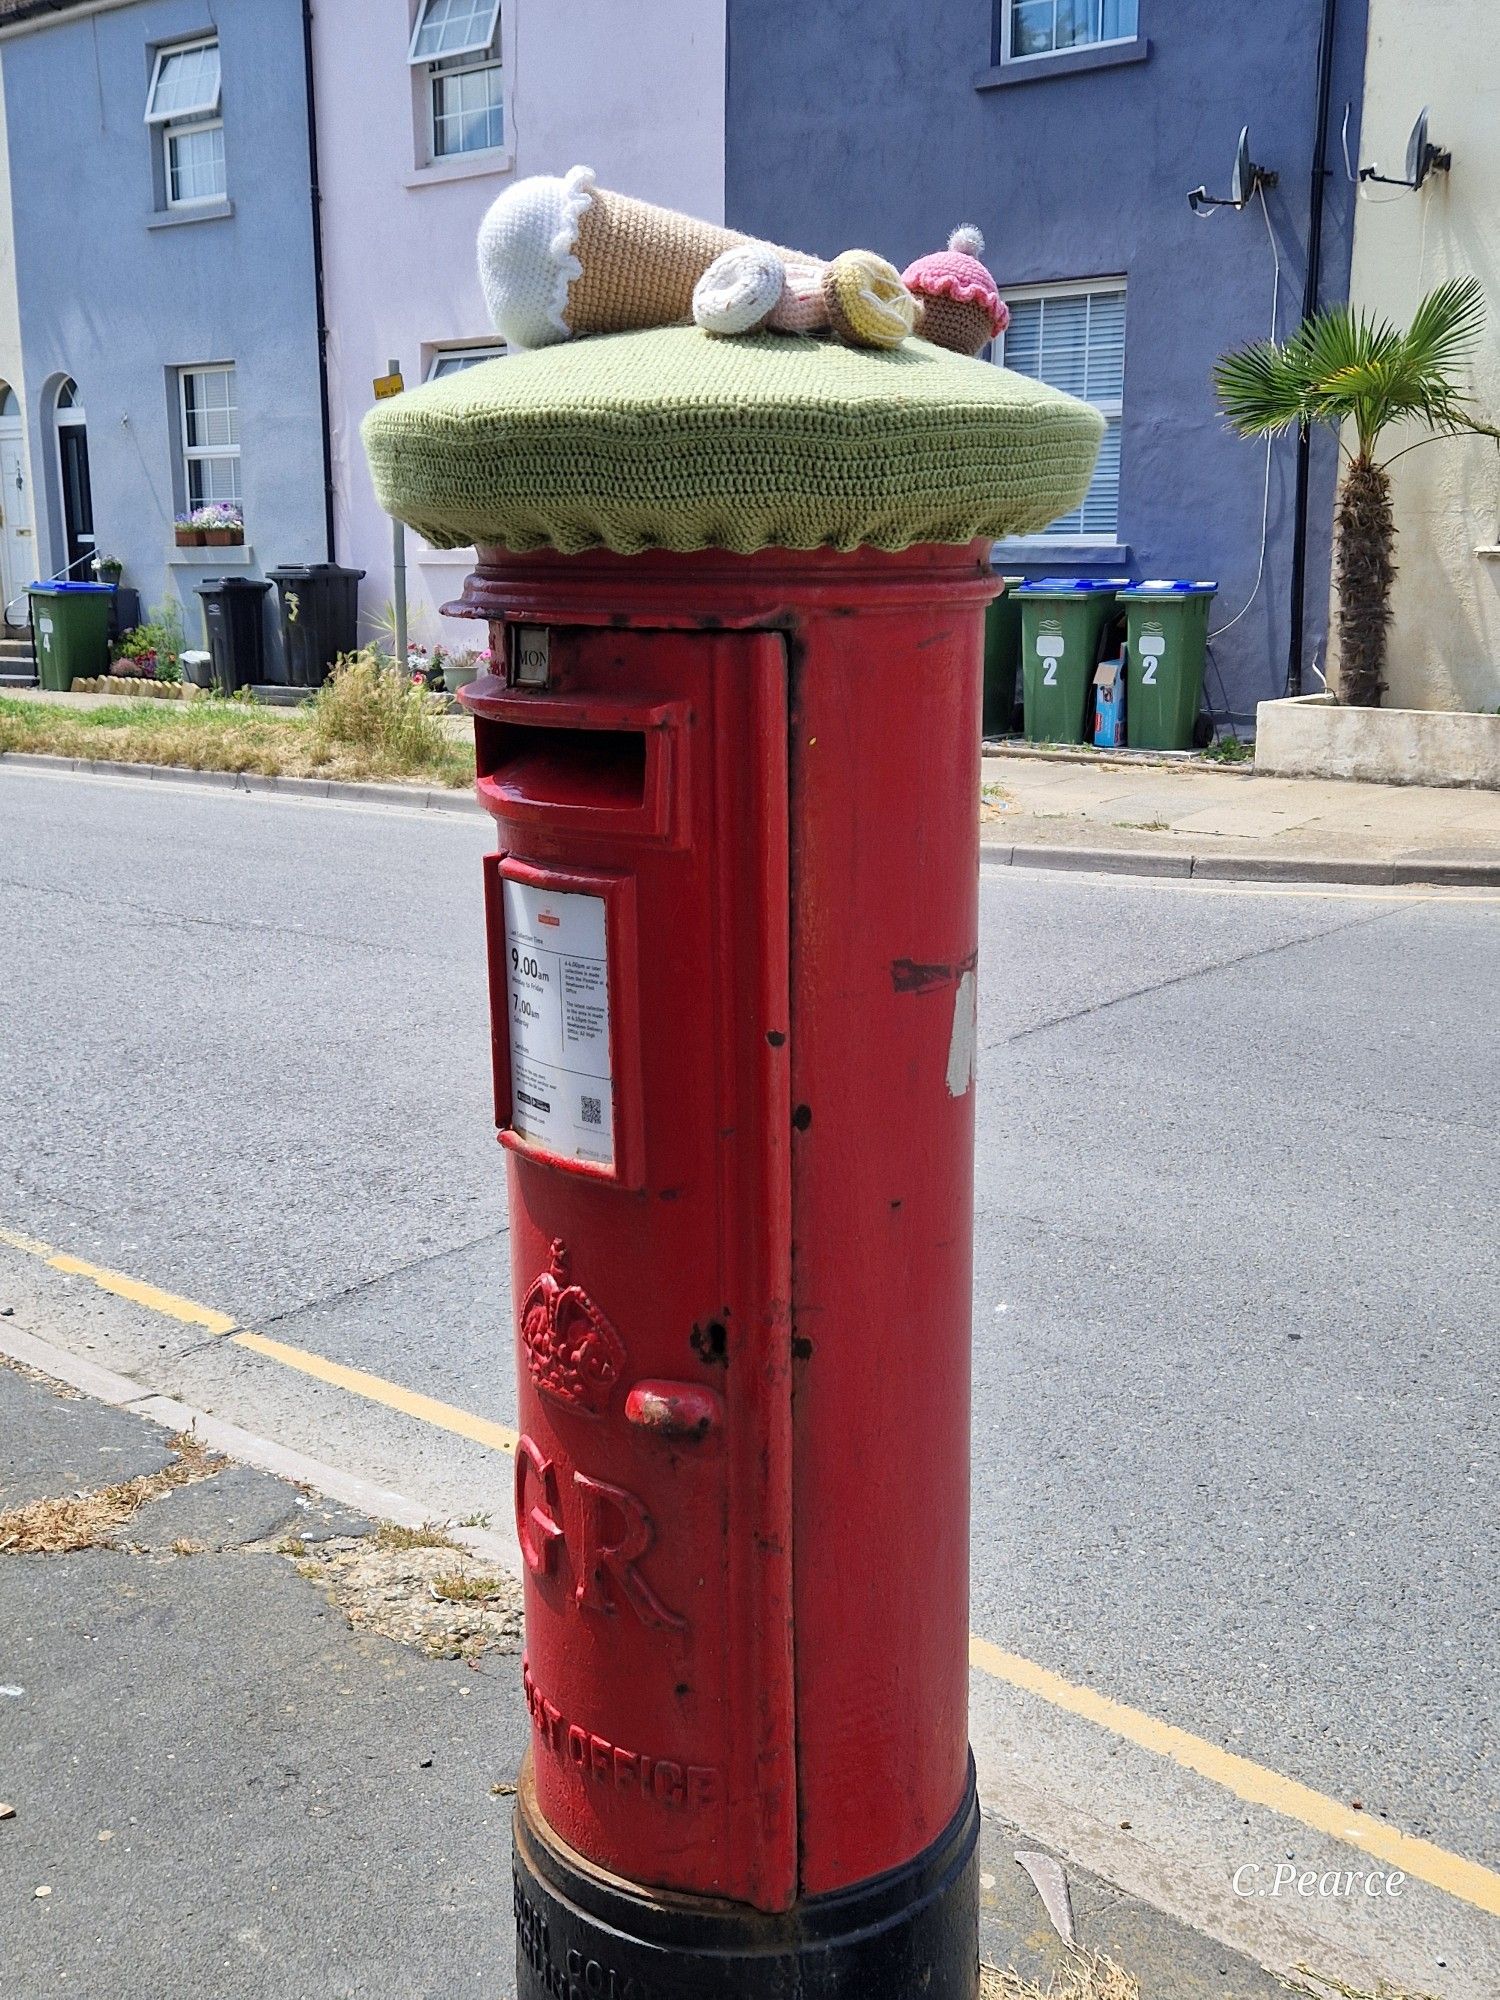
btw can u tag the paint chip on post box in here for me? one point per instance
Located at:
(557, 982)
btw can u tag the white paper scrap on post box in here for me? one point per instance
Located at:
(557, 982)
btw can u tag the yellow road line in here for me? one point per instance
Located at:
(375, 1389)
(139, 1294)
(1467, 1881)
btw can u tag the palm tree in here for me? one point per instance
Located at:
(1344, 367)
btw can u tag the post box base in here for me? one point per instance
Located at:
(581, 1932)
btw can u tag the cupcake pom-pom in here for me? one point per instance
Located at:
(967, 241)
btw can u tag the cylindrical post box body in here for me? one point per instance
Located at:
(732, 938)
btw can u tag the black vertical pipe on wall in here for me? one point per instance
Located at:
(1309, 307)
(316, 197)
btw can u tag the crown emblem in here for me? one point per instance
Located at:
(573, 1354)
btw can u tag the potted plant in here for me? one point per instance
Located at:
(221, 524)
(462, 667)
(108, 569)
(1343, 367)
(188, 533)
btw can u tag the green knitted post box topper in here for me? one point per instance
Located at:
(672, 439)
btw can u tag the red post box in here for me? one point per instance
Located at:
(732, 933)
(732, 928)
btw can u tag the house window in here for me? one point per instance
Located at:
(1046, 27)
(183, 104)
(456, 43)
(210, 435)
(1073, 338)
(453, 360)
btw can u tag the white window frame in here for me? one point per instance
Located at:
(444, 72)
(191, 453)
(1112, 408)
(474, 57)
(457, 350)
(1007, 23)
(474, 48)
(169, 135)
(195, 118)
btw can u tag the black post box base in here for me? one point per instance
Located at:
(582, 1933)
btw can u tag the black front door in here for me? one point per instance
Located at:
(78, 498)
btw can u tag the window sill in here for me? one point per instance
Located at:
(206, 211)
(239, 555)
(1067, 62)
(463, 167)
(1032, 550)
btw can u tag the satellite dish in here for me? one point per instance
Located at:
(1416, 150)
(1241, 181)
(1422, 159)
(1246, 179)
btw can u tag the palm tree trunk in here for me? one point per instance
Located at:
(1364, 572)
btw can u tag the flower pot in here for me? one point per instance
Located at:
(190, 538)
(220, 538)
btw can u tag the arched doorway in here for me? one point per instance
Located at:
(17, 542)
(73, 470)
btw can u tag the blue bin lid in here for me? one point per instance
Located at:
(57, 589)
(1171, 587)
(1068, 586)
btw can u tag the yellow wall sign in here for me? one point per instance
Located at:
(388, 385)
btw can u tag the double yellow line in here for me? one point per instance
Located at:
(1465, 1880)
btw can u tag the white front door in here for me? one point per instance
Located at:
(17, 541)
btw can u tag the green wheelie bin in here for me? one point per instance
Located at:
(1061, 620)
(71, 624)
(1166, 641)
(1002, 658)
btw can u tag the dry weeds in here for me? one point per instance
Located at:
(391, 1535)
(462, 1587)
(89, 1520)
(404, 1584)
(1088, 1977)
(1324, 1985)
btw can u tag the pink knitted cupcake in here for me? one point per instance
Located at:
(961, 309)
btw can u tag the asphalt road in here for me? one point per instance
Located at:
(1237, 1285)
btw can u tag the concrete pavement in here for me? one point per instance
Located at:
(221, 1787)
(1234, 1146)
(1220, 818)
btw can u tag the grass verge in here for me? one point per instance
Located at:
(367, 721)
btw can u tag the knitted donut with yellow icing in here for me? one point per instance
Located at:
(868, 306)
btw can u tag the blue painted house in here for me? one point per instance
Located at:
(161, 187)
(1072, 132)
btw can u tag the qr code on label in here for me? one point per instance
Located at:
(593, 1111)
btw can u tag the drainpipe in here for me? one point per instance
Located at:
(1309, 307)
(316, 197)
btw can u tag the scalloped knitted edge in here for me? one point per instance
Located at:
(947, 287)
(579, 185)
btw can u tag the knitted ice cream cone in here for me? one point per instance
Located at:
(961, 309)
(639, 264)
(561, 258)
